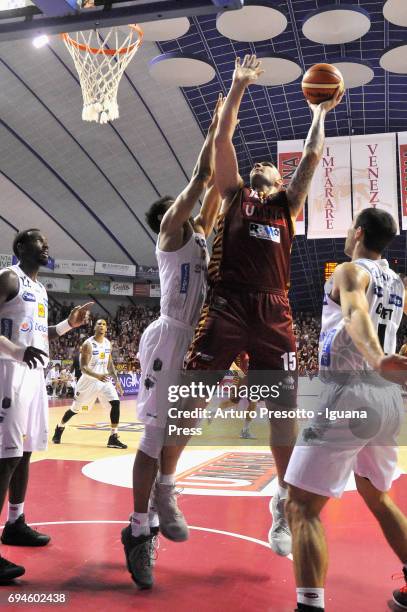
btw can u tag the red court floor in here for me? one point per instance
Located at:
(212, 571)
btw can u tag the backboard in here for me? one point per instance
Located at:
(30, 18)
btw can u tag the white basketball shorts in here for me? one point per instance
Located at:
(328, 449)
(88, 390)
(162, 349)
(23, 409)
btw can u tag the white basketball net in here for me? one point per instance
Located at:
(100, 63)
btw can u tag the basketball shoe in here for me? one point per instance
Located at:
(9, 571)
(140, 556)
(114, 442)
(56, 438)
(400, 595)
(172, 522)
(21, 534)
(279, 534)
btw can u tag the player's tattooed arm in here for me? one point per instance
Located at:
(173, 223)
(299, 185)
(86, 355)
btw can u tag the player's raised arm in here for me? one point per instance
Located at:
(181, 210)
(299, 185)
(227, 176)
(352, 282)
(204, 222)
(77, 317)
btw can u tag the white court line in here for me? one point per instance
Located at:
(239, 536)
(231, 534)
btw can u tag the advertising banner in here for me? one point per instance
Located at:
(155, 291)
(121, 288)
(78, 268)
(289, 153)
(58, 285)
(103, 267)
(402, 138)
(329, 199)
(5, 260)
(90, 285)
(130, 383)
(374, 173)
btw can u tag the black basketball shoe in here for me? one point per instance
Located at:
(56, 438)
(140, 556)
(9, 571)
(400, 595)
(114, 442)
(21, 534)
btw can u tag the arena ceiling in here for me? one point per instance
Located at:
(88, 186)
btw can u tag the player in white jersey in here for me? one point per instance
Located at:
(360, 409)
(182, 260)
(53, 379)
(23, 397)
(95, 383)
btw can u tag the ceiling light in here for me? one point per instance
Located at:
(40, 41)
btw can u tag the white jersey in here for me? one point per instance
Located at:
(385, 295)
(100, 355)
(52, 375)
(183, 275)
(24, 319)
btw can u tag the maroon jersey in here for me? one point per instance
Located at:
(253, 244)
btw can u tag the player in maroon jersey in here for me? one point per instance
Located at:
(247, 307)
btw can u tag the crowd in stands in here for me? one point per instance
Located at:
(306, 329)
(126, 327)
(123, 330)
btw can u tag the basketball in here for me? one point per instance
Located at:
(320, 82)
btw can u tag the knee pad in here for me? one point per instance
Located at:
(152, 441)
(115, 412)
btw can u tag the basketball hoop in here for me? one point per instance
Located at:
(100, 68)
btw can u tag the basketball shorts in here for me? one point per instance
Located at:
(162, 350)
(23, 409)
(88, 390)
(329, 449)
(257, 322)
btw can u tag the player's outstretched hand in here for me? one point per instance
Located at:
(393, 368)
(79, 315)
(328, 104)
(248, 71)
(119, 388)
(33, 357)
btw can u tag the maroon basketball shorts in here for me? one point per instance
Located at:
(259, 323)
